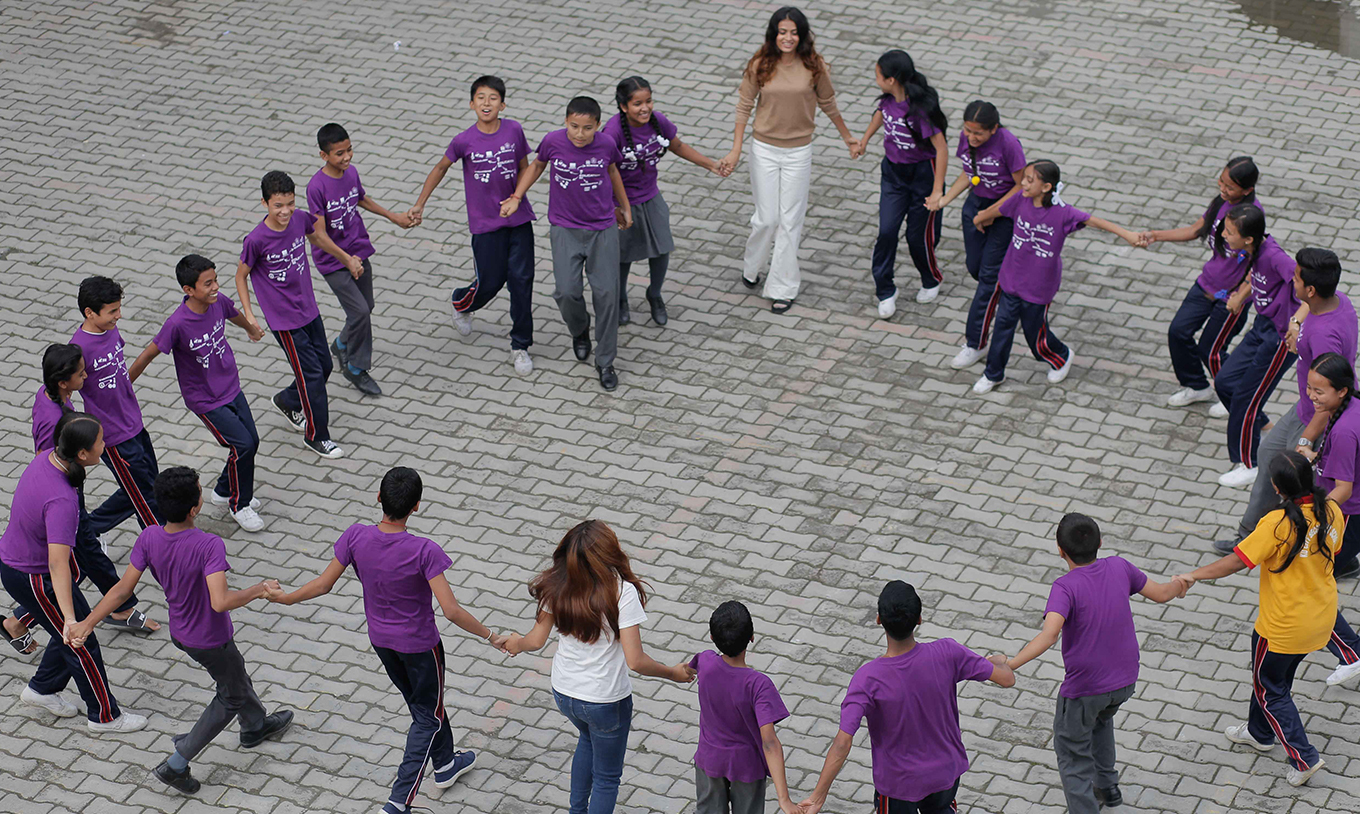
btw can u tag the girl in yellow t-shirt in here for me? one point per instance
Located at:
(1295, 546)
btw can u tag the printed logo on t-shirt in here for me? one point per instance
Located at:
(212, 343)
(1038, 236)
(279, 264)
(895, 128)
(339, 211)
(989, 168)
(588, 176)
(500, 162)
(106, 370)
(1260, 288)
(647, 151)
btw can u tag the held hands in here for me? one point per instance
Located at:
(789, 807)
(984, 219)
(1306, 452)
(403, 219)
(728, 163)
(498, 641)
(1184, 581)
(1146, 239)
(511, 644)
(624, 215)
(253, 331)
(74, 634)
(811, 805)
(1291, 337)
(1235, 302)
(717, 168)
(509, 206)
(269, 588)
(355, 266)
(934, 203)
(416, 214)
(856, 147)
(999, 660)
(683, 673)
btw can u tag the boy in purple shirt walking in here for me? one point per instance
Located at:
(909, 697)
(738, 708)
(274, 255)
(195, 335)
(335, 195)
(191, 565)
(400, 574)
(1089, 608)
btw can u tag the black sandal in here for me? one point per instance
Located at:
(135, 622)
(21, 643)
(781, 306)
(752, 284)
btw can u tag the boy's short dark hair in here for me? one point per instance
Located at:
(190, 268)
(899, 610)
(97, 292)
(584, 106)
(400, 492)
(1321, 269)
(1079, 537)
(493, 82)
(276, 182)
(177, 492)
(731, 628)
(330, 135)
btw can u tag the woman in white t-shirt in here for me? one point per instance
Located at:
(592, 597)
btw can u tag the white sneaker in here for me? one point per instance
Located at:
(127, 722)
(984, 385)
(1342, 673)
(967, 357)
(1294, 777)
(523, 364)
(1055, 376)
(1239, 734)
(927, 294)
(53, 703)
(888, 307)
(463, 322)
(1185, 396)
(1240, 475)
(1218, 410)
(247, 519)
(222, 500)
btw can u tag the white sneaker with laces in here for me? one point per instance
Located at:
(1185, 396)
(462, 322)
(967, 357)
(247, 519)
(984, 385)
(1055, 376)
(53, 703)
(222, 500)
(523, 364)
(1343, 673)
(927, 294)
(127, 722)
(1240, 475)
(1218, 410)
(888, 307)
(1238, 733)
(1294, 777)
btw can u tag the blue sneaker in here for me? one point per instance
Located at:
(462, 761)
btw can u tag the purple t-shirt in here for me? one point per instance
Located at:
(1032, 268)
(395, 570)
(1099, 646)
(204, 363)
(899, 122)
(1332, 332)
(580, 195)
(1339, 457)
(107, 394)
(46, 414)
(734, 703)
(998, 159)
(912, 706)
(1272, 284)
(283, 278)
(638, 168)
(338, 199)
(45, 510)
(181, 563)
(490, 173)
(1222, 273)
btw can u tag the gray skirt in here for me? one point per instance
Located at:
(651, 232)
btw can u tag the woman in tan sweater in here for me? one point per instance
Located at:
(785, 82)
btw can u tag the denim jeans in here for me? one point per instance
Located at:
(598, 765)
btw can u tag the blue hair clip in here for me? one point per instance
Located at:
(1221, 294)
(1241, 255)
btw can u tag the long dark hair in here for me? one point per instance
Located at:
(1341, 376)
(1049, 173)
(984, 114)
(1243, 172)
(1250, 222)
(1292, 475)
(922, 98)
(581, 588)
(761, 66)
(622, 94)
(75, 433)
(59, 363)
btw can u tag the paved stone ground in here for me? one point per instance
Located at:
(793, 462)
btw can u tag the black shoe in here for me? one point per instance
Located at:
(326, 449)
(581, 345)
(625, 318)
(362, 381)
(1349, 571)
(183, 781)
(608, 378)
(1225, 546)
(1109, 798)
(752, 284)
(658, 310)
(274, 725)
(297, 420)
(341, 355)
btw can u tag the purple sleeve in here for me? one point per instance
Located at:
(769, 706)
(962, 151)
(249, 252)
(433, 560)
(1342, 451)
(969, 666)
(342, 550)
(360, 185)
(928, 128)
(521, 145)
(1137, 579)
(694, 662)
(668, 129)
(856, 703)
(1011, 205)
(165, 337)
(316, 199)
(546, 150)
(309, 221)
(454, 152)
(615, 154)
(1059, 601)
(1013, 156)
(60, 518)
(228, 306)
(1075, 219)
(216, 559)
(137, 557)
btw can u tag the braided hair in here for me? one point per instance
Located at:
(622, 94)
(59, 363)
(1341, 376)
(1250, 222)
(1243, 172)
(75, 433)
(1292, 476)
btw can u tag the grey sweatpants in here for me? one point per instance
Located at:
(235, 698)
(1283, 436)
(598, 253)
(1083, 738)
(718, 795)
(356, 297)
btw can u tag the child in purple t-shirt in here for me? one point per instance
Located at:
(191, 566)
(275, 256)
(738, 708)
(495, 154)
(195, 335)
(1089, 608)
(1032, 271)
(400, 574)
(909, 697)
(334, 196)
(583, 187)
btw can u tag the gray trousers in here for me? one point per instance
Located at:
(235, 698)
(356, 297)
(1282, 437)
(1083, 738)
(598, 253)
(718, 795)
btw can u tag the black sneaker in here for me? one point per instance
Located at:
(341, 355)
(608, 378)
(1109, 798)
(182, 781)
(658, 310)
(296, 419)
(625, 317)
(1348, 571)
(1225, 546)
(326, 449)
(274, 725)
(581, 345)
(362, 381)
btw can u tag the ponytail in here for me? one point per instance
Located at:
(1292, 475)
(1243, 172)
(921, 97)
(75, 433)
(59, 364)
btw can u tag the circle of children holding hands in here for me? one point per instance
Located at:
(607, 213)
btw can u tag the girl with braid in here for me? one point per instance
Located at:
(644, 136)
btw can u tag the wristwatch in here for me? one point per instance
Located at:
(1304, 442)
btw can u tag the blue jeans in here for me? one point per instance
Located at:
(598, 765)
(1189, 356)
(983, 252)
(903, 190)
